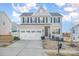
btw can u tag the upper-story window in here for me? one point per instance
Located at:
(43, 20)
(23, 20)
(38, 20)
(28, 20)
(35, 20)
(46, 20)
(73, 31)
(56, 19)
(51, 19)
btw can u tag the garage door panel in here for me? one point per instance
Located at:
(31, 35)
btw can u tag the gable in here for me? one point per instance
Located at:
(41, 12)
(5, 24)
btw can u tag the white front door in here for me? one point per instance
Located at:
(31, 34)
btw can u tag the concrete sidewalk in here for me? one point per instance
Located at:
(23, 48)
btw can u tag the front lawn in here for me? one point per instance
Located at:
(52, 45)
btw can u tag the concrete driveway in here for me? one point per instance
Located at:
(23, 48)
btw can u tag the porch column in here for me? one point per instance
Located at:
(51, 31)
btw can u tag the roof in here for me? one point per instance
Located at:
(75, 26)
(44, 10)
(55, 14)
(26, 14)
(66, 34)
(29, 14)
(5, 13)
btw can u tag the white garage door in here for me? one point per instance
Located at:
(31, 34)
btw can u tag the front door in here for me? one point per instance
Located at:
(47, 31)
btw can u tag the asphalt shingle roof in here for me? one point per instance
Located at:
(29, 14)
(55, 14)
(26, 14)
(41, 8)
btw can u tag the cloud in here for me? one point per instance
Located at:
(15, 14)
(66, 18)
(71, 17)
(18, 9)
(74, 17)
(15, 17)
(25, 8)
(76, 5)
(73, 14)
(60, 4)
(69, 9)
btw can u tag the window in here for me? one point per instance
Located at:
(3, 23)
(28, 20)
(23, 19)
(22, 31)
(46, 20)
(73, 38)
(51, 19)
(54, 19)
(38, 20)
(33, 31)
(14, 30)
(73, 31)
(58, 19)
(31, 20)
(43, 20)
(58, 31)
(39, 31)
(27, 31)
(35, 20)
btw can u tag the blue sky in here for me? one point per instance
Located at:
(66, 9)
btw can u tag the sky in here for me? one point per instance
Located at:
(70, 11)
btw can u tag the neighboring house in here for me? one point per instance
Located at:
(5, 27)
(40, 23)
(75, 33)
(66, 37)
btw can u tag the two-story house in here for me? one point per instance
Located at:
(40, 23)
(75, 33)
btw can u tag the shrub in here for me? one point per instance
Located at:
(42, 37)
(16, 38)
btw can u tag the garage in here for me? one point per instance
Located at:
(31, 34)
